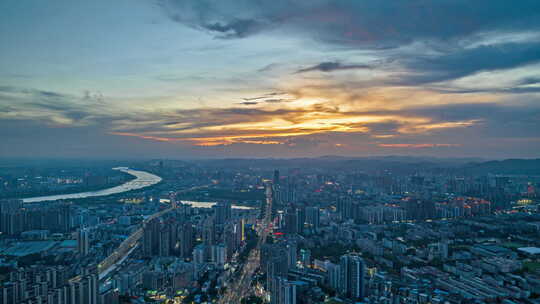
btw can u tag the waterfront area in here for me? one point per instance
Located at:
(142, 179)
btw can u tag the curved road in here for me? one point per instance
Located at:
(143, 179)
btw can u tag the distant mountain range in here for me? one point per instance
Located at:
(401, 164)
(507, 166)
(394, 163)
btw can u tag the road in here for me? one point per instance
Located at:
(126, 247)
(240, 288)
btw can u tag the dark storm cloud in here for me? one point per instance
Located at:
(374, 23)
(249, 103)
(530, 80)
(331, 66)
(235, 29)
(199, 14)
(49, 94)
(464, 62)
(445, 27)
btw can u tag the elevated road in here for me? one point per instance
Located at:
(126, 247)
(129, 244)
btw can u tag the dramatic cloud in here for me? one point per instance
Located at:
(238, 125)
(280, 78)
(249, 103)
(346, 22)
(235, 29)
(333, 66)
(463, 62)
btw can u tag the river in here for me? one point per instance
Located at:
(142, 179)
(207, 204)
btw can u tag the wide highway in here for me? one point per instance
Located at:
(240, 288)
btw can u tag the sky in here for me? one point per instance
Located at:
(281, 78)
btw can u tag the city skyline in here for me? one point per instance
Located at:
(213, 79)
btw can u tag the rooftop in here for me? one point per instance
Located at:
(27, 248)
(530, 250)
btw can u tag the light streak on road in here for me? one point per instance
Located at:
(238, 289)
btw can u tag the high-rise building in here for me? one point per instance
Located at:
(230, 239)
(344, 207)
(183, 210)
(291, 255)
(233, 236)
(291, 191)
(83, 290)
(275, 180)
(65, 217)
(83, 242)
(165, 240)
(283, 292)
(10, 205)
(420, 209)
(11, 216)
(219, 255)
(313, 217)
(300, 219)
(291, 221)
(151, 237)
(275, 269)
(352, 270)
(222, 212)
(110, 296)
(152, 279)
(185, 239)
(199, 254)
(209, 235)
(333, 272)
(241, 230)
(305, 257)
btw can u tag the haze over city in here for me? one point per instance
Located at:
(192, 79)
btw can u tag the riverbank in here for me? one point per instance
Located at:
(70, 190)
(142, 179)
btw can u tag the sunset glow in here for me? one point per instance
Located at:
(281, 79)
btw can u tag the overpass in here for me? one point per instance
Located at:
(126, 247)
(129, 244)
